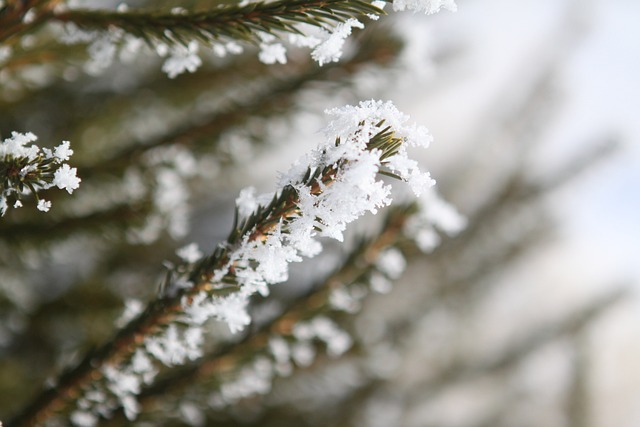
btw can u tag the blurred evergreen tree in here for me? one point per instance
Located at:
(170, 107)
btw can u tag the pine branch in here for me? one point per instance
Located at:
(229, 22)
(354, 271)
(217, 274)
(19, 16)
(204, 136)
(31, 231)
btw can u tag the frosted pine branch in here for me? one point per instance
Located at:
(26, 169)
(307, 327)
(180, 35)
(231, 22)
(330, 187)
(319, 196)
(321, 25)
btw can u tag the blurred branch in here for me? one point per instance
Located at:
(231, 22)
(278, 96)
(23, 232)
(577, 164)
(19, 16)
(579, 404)
(572, 324)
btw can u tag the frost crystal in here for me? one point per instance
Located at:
(270, 53)
(66, 178)
(190, 253)
(231, 310)
(342, 299)
(170, 167)
(330, 50)
(348, 120)
(192, 415)
(253, 379)
(173, 347)
(324, 329)
(222, 50)
(84, 419)
(102, 52)
(183, 58)
(132, 308)
(392, 263)
(380, 284)
(44, 205)
(5, 53)
(433, 213)
(63, 152)
(29, 17)
(246, 202)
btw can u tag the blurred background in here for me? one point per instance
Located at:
(549, 81)
(529, 317)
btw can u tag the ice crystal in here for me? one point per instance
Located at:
(183, 58)
(380, 284)
(330, 50)
(62, 152)
(132, 308)
(175, 347)
(343, 299)
(170, 168)
(5, 54)
(102, 51)
(44, 205)
(252, 379)
(190, 253)
(65, 178)
(271, 53)
(433, 213)
(391, 262)
(84, 419)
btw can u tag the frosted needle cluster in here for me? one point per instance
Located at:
(26, 168)
(321, 193)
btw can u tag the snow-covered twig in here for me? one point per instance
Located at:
(318, 196)
(308, 325)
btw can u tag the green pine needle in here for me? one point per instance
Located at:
(225, 23)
